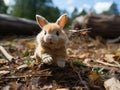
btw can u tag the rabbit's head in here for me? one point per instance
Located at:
(52, 34)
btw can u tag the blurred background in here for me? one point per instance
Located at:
(52, 9)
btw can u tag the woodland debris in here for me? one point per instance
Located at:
(6, 54)
(62, 89)
(22, 66)
(81, 76)
(112, 84)
(107, 64)
(4, 72)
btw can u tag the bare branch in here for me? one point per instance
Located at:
(6, 54)
(108, 64)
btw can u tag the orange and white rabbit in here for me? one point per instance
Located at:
(51, 41)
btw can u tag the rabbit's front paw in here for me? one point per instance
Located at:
(47, 60)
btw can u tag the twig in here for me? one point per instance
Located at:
(28, 76)
(87, 63)
(82, 81)
(108, 64)
(5, 53)
(80, 78)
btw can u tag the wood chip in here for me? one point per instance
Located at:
(22, 66)
(4, 72)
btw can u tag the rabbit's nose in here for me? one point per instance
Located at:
(50, 38)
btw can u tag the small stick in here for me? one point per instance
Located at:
(87, 62)
(5, 53)
(82, 81)
(108, 64)
(28, 76)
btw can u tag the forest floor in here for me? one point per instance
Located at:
(90, 65)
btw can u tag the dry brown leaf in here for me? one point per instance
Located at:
(112, 84)
(30, 45)
(3, 61)
(85, 55)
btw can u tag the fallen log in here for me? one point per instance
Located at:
(107, 26)
(19, 26)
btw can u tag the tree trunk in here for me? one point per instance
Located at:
(102, 25)
(18, 26)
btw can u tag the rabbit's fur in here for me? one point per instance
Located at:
(51, 41)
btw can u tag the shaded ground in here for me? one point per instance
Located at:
(83, 70)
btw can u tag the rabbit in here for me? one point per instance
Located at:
(51, 41)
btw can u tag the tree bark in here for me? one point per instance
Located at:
(102, 25)
(18, 26)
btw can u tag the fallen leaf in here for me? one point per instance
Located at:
(112, 84)
(93, 76)
(69, 51)
(3, 61)
(85, 55)
(30, 45)
(109, 57)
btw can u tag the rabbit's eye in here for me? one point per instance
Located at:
(57, 33)
(45, 32)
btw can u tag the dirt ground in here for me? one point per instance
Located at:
(89, 64)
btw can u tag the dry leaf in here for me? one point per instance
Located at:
(93, 76)
(109, 57)
(112, 84)
(69, 51)
(30, 45)
(3, 61)
(85, 55)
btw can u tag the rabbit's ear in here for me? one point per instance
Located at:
(41, 21)
(61, 21)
